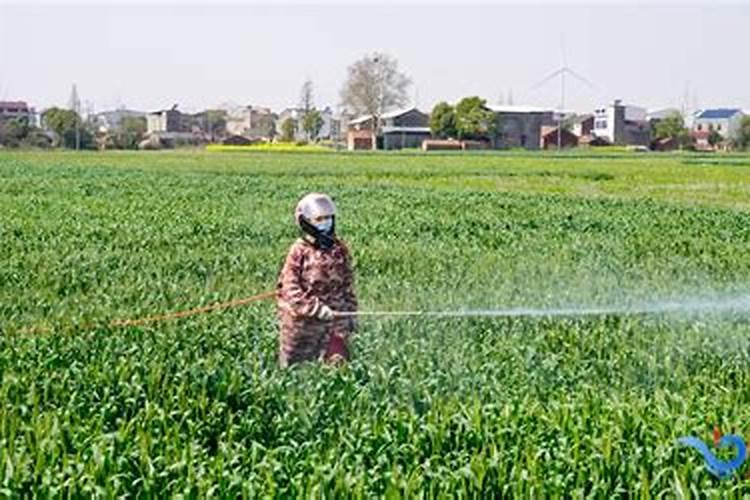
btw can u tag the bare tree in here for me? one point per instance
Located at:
(306, 100)
(374, 84)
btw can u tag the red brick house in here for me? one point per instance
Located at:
(549, 138)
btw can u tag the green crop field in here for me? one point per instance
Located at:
(469, 407)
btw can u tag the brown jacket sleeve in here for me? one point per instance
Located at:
(292, 297)
(349, 294)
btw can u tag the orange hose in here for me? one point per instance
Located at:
(168, 316)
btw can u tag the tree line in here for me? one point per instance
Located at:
(374, 85)
(65, 128)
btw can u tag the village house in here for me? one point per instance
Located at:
(725, 121)
(170, 127)
(621, 124)
(251, 122)
(164, 121)
(520, 126)
(552, 137)
(582, 125)
(107, 121)
(399, 129)
(701, 140)
(10, 110)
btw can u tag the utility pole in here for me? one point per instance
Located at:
(560, 114)
(75, 105)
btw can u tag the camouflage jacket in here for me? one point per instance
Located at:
(310, 278)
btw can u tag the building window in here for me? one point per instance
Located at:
(718, 127)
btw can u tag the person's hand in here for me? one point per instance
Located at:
(325, 313)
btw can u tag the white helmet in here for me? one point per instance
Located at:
(314, 205)
(309, 208)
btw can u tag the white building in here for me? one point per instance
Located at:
(165, 120)
(111, 120)
(725, 121)
(250, 121)
(622, 124)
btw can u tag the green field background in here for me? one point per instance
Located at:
(451, 407)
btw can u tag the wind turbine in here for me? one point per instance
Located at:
(563, 71)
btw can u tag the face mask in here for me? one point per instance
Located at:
(324, 226)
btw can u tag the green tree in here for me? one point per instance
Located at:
(13, 132)
(63, 123)
(443, 121)
(474, 120)
(130, 132)
(215, 123)
(18, 132)
(715, 138)
(312, 123)
(36, 138)
(267, 126)
(743, 136)
(288, 128)
(60, 121)
(673, 127)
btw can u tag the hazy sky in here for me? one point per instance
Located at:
(149, 57)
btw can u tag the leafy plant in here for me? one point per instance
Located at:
(472, 407)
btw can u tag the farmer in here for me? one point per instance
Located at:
(315, 283)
